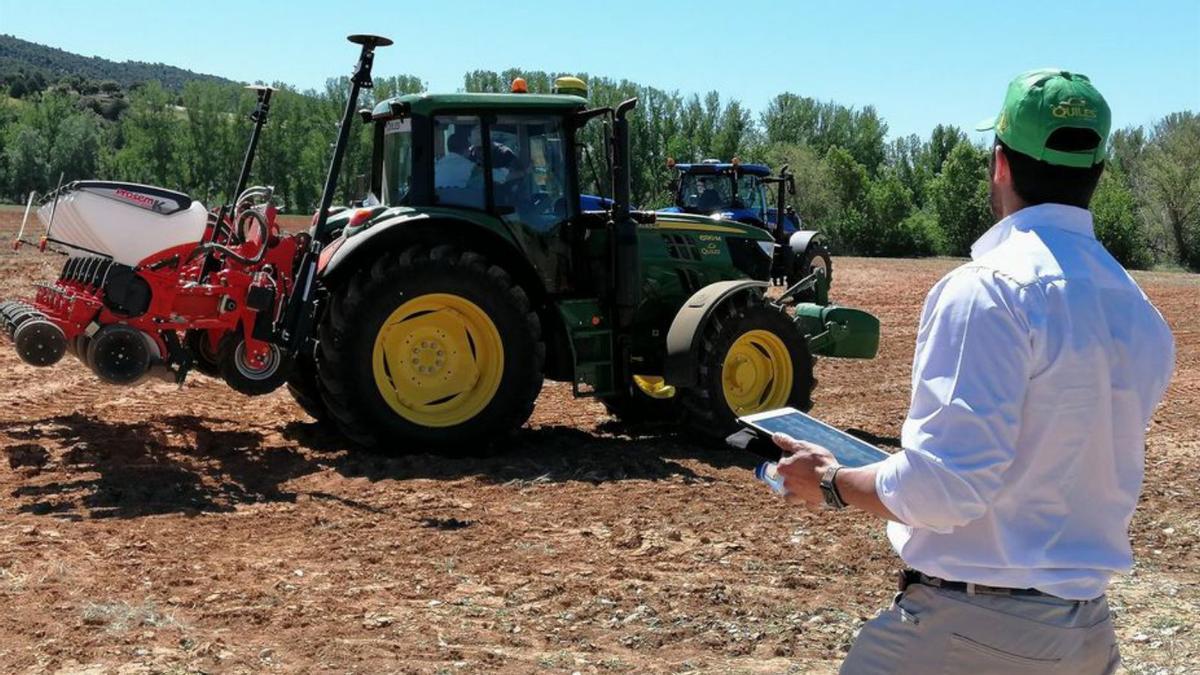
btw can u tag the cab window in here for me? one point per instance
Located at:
(397, 160)
(457, 176)
(529, 171)
(750, 193)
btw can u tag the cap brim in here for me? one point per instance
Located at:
(986, 125)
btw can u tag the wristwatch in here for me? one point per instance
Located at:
(829, 490)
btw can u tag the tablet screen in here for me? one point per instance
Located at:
(848, 450)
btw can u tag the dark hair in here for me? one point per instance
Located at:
(1038, 182)
(458, 142)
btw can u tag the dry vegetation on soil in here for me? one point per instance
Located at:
(158, 529)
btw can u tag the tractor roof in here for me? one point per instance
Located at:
(715, 167)
(424, 104)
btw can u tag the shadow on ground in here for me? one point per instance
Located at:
(79, 466)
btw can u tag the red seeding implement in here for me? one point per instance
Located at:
(154, 282)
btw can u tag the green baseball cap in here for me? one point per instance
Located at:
(1039, 103)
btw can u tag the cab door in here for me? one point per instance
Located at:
(531, 189)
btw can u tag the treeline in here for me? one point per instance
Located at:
(908, 196)
(28, 67)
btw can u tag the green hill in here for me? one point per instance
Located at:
(28, 59)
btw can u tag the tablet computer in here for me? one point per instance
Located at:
(848, 450)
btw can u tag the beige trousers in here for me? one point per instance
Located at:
(930, 631)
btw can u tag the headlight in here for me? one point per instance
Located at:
(767, 247)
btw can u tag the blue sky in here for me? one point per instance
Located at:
(919, 63)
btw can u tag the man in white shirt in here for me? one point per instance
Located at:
(453, 169)
(1038, 367)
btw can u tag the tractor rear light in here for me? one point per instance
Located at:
(359, 217)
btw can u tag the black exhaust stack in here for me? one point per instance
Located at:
(627, 273)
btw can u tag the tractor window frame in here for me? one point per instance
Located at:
(433, 138)
(544, 135)
(379, 161)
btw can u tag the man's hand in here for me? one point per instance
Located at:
(801, 468)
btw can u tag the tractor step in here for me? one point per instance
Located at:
(591, 348)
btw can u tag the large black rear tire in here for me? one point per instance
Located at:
(305, 388)
(466, 309)
(774, 368)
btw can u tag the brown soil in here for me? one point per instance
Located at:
(164, 529)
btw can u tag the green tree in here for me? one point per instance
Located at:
(816, 199)
(75, 153)
(850, 184)
(960, 199)
(150, 130)
(888, 203)
(801, 120)
(1116, 223)
(26, 152)
(207, 150)
(1169, 183)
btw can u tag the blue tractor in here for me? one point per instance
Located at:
(737, 191)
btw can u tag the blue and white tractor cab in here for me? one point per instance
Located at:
(737, 191)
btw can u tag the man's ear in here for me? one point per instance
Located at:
(1001, 172)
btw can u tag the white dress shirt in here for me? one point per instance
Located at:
(1037, 369)
(452, 171)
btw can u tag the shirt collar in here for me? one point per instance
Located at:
(1061, 216)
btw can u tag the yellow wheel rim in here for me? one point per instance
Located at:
(757, 373)
(438, 360)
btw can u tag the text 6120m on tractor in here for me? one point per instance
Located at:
(429, 316)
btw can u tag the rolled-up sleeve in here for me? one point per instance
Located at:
(972, 366)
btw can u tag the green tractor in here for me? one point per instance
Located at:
(471, 272)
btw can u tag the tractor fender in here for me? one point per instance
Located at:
(398, 232)
(800, 240)
(429, 229)
(687, 329)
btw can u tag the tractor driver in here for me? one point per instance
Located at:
(507, 170)
(454, 168)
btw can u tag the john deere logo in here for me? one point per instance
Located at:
(1002, 123)
(1074, 108)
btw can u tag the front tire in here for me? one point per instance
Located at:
(430, 348)
(753, 359)
(815, 259)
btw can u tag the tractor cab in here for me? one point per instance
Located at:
(731, 191)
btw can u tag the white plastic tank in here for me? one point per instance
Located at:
(127, 221)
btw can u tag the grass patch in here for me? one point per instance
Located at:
(119, 617)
